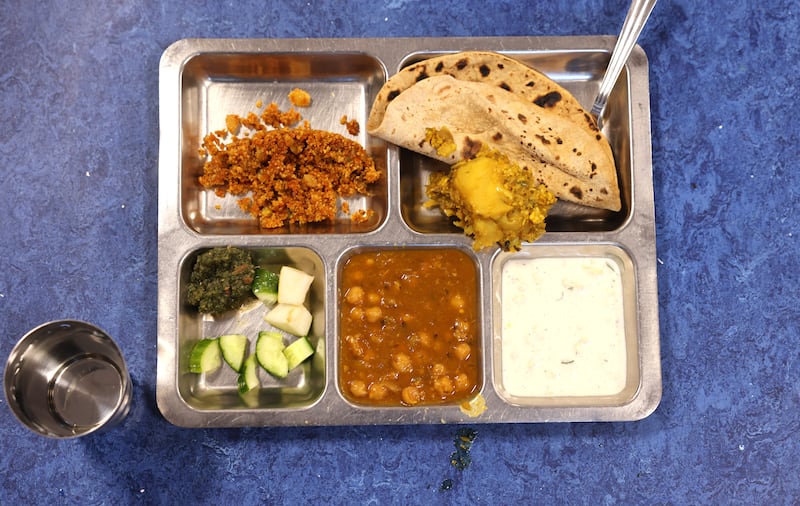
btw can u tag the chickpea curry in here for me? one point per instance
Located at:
(409, 330)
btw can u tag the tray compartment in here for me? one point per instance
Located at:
(615, 362)
(579, 72)
(217, 390)
(411, 331)
(214, 85)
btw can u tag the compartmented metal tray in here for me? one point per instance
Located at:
(203, 80)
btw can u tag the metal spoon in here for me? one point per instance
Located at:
(634, 22)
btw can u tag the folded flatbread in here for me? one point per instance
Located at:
(484, 98)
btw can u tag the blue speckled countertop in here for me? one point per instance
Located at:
(78, 166)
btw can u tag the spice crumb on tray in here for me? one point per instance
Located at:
(284, 171)
(352, 125)
(300, 97)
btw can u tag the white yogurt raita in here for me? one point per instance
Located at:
(563, 327)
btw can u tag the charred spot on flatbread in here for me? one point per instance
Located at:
(497, 136)
(590, 122)
(392, 95)
(576, 192)
(471, 148)
(484, 70)
(522, 118)
(462, 63)
(505, 86)
(439, 66)
(548, 99)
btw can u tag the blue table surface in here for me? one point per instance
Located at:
(78, 215)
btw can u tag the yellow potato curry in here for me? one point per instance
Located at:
(492, 199)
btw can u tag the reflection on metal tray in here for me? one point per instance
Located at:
(203, 80)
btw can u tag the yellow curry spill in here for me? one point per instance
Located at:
(441, 140)
(473, 407)
(492, 199)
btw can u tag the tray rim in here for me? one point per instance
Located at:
(175, 239)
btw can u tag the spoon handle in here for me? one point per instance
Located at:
(634, 22)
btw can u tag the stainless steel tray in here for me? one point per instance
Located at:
(203, 80)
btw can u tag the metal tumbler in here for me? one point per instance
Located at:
(66, 379)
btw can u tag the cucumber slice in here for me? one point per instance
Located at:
(293, 286)
(292, 318)
(265, 286)
(248, 378)
(269, 353)
(297, 352)
(234, 349)
(205, 356)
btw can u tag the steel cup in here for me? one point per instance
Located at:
(66, 379)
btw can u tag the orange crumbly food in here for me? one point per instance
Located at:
(300, 97)
(232, 123)
(286, 174)
(362, 215)
(353, 128)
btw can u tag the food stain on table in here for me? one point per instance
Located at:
(460, 458)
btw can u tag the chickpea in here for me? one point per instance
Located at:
(373, 314)
(378, 391)
(443, 385)
(373, 298)
(462, 351)
(438, 369)
(355, 296)
(411, 395)
(390, 383)
(462, 382)
(424, 338)
(355, 346)
(357, 314)
(461, 330)
(358, 388)
(390, 379)
(458, 302)
(402, 362)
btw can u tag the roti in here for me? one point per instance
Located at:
(573, 160)
(490, 68)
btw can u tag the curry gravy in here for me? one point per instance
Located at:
(409, 330)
